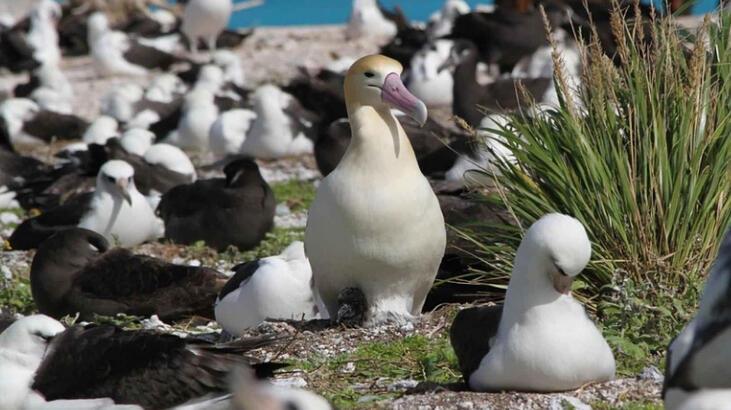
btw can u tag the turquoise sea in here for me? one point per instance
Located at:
(312, 12)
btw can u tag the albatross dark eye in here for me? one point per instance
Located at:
(110, 179)
(368, 74)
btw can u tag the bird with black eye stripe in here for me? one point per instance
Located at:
(96, 366)
(116, 210)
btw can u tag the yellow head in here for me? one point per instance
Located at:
(375, 81)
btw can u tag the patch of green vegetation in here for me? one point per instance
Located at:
(413, 357)
(635, 405)
(641, 318)
(273, 244)
(297, 194)
(646, 172)
(15, 295)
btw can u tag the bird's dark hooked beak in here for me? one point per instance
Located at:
(123, 185)
(561, 281)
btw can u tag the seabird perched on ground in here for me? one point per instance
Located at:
(441, 21)
(506, 35)
(276, 287)
(146, 368)
(429, 80)
(698, 361)
(29, 124)
(101, 130)
(77, 271)
(42, 35)
(54, 91)
(172, 158)
(114, 53)
(541, 338)
(22, 348)
(234, 211)
(198, 115)
(119, 102)
(229, 131)
(484, 157)
(375, 224)
(205, 20)
(282, 127)
(367, 20)
(116, 209)
(500, 95)
(137, 141)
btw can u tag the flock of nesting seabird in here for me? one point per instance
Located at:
(375, 237)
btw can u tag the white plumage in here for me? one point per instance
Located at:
(15, 112)
(428, 80)
(229, 131)
(22, 347)
(490, 151)
(137, 141)
(199, 114)
(108, 48)
(274, 133)
(545, 340)
(172, 158)
(278, 289)
(366, 20)
(375, 223)
(205, 20)
(119, 211)
(441, 22)
(102, 129)
(43, 36)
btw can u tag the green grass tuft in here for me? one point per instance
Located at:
(15, 295)
(413, 357)
(642, 157)
(297, 194)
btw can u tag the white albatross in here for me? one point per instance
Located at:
(375, 224)
(541, 338)
(276, 287)
(205, 20)
(118, 211)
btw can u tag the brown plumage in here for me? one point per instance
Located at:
(76, 271)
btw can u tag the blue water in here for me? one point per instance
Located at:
(310, 12)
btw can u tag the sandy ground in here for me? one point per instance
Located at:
(274, 55)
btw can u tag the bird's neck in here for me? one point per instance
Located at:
(379, 141)
(529, 285)
(467, 90)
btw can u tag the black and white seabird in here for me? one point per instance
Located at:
(276, 287)
(28, 124)
(234, 211)
(697, 375)
(116, 209)
(541, 338)
(77, 271)
(367, 20)
(115, 53)
(500, 95)
(282, 126)
(205, 20)
(145, 368)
